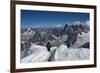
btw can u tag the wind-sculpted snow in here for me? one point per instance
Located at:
(37, 53)
(52, 51)
(63, 53)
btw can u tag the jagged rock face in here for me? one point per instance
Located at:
(64, 29)
(86, 45)
(84, 38)
(72, 31)
(40, 36)
(35, 38)
(57, 31)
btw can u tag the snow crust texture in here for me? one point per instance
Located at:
(37, 53)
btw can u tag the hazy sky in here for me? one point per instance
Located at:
(31, 18)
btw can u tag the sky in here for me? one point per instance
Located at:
(33, 18)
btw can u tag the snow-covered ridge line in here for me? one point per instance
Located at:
(37, 53)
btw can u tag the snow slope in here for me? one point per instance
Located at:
(63, 53)
(37, 53)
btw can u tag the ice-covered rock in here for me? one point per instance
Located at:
(37, 53)
(86, 45)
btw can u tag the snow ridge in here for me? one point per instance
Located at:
(62, 53)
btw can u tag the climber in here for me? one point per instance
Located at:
(48, 45)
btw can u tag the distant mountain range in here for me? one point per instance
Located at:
(67, 35)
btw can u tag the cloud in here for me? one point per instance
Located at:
(76, 22)
(87, 22)
(58, 25)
